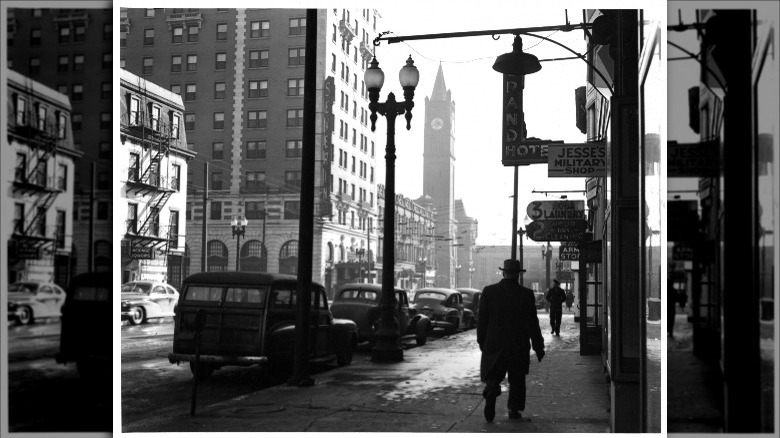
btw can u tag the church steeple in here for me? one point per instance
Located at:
(439, 88)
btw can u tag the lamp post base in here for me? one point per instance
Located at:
(387, 347)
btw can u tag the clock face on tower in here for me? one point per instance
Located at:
(437, 123)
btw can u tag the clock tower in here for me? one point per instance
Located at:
(439, 175)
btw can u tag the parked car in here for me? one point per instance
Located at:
(471, 299)
(541, 301)
(360, 303)
(31, 300)
(86, 335)
(445, 308)
(144, 300)
(250, 320)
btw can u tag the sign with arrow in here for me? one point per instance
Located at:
(547, 210)
(557, 230)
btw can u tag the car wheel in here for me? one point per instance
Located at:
(25, 316)
(205, 370)
(137, 315)
(344, 353)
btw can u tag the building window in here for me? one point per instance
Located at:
(107, 31)
(298, 26)
(176, 89)
(173, 232)
(221, 31)
(176, 178)
(216, 181)
(78, 62)
(35, 65)
(296, 56)
(154, 116)
(333, 63)
(132, 218)
(148, 37)
(62, 176)
(107, 61)
(219, 90)
(175, 123)
(292, 178)
(219, 120)
(217, 150)
(256, 119)
(255, 149)
(104, 180)
(148, 66)
(35, 37)
(221, 61)
(18, 218)
(216, 210)
(258, 89)
(62, 125)
(41, 114)
(295, 87)
(133, 171)
(63, 63)
(64, 35)
(259, 29)
(258, 58)
(102, 210)
(75, 121)
(104, 151)
(20, 171)
(294, 149)
(122, 63)
(255, 181)
(192, 62)
(189, 121)
(294, 117)
(192, 34)
(149, 13)
(253, 210)
(176, 63)
(190, 91)
(292, 209)
(177, 35)
(105, 90)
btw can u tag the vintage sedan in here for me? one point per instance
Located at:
(541, 301)
(445, 308)
(360, 303)
(248, 318)
(471, 298)
(31, 300)
(144, 300)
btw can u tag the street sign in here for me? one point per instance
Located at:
(576, 160)
(692, 159)
(28, 252)
(520, 153)
(547, 210)
(682, 251)
(141, 252)
(569, 251)
(557, 230)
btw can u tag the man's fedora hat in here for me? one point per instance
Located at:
(512, 265)
(556, 281)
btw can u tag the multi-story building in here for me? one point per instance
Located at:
(414, 265)
(41, 186)
(153, 155)
(240, 73)
(70, 51)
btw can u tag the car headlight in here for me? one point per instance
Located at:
(12, 305)
(125, 304)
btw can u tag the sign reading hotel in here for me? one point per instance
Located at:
(515, 149)
(576, 160)
(555, 210)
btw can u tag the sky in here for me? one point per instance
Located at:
(483, 183)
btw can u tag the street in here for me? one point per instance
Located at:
(45, 396)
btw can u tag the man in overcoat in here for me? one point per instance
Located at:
(556, 297)
(507, 329)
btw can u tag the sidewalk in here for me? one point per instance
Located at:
(436, 388)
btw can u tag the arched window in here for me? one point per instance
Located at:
(102, 256)
(342, 254)
(253, 256)
(288, 258)
(330, 252)
(217, 256)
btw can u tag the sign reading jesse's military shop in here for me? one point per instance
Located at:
(547, 210)
(576, 160)
(568, 251)
(692, 159)
(557, 230)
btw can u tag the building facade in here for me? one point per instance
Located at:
(240, 73)
(153, 156)
(42, 183)
(70, 51)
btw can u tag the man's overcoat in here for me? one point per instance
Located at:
(507, 325)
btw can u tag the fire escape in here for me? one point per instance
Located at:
(146, 179)
(32, 180)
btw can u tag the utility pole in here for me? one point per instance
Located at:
(203, 264)
(91, 252)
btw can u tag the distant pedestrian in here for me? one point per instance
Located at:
(556, 296)
(507, 328)
(672, 298)
(569, 300)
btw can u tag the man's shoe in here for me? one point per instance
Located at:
(514, 414)
(490, 408)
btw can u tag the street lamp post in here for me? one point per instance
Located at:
(520, 232)
(471, 274)
(388, 345)
(457, 275)
(424, 262)
(360, 252)
(547, 254)
(239, 228)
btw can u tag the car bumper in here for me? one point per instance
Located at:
(218, 359)
(443, 324)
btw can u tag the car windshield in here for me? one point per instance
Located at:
(429, 296)
(23, 287)
(138, 288)
(351, 294)
(466, 298)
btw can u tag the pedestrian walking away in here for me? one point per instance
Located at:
(508, 327)
(569, 300)
(556, 297)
